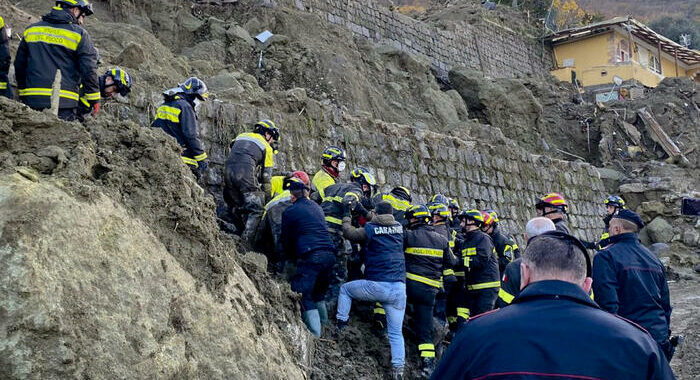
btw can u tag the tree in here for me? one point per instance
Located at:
(672, 27)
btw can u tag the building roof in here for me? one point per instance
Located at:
(688, 56)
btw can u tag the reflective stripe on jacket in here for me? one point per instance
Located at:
(56, 43)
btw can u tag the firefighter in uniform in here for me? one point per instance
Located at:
(177, 117)
(332, 164)
(58, 42)
(356, 197)
(454, 210)
(271, 226)
(553, 206)
(247, 176)
(613, 205)
(481, 266)
(5, 59)
(505, 246)
(427, 255)
(114, 81)
(400, 199)
(441, 218)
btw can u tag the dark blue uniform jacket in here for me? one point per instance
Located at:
(304, 230)
(630, 281)
(552, 330)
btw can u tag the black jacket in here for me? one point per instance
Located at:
(480, 260)
(510, 284)
(554, 331)
(630, 281)
(56, 42)
(506, 249)
(177, 118)
(338, 199)
(427, 255)
(304, 231)
(250, 154)
(561, 225)
(448, 272)
(5, 59)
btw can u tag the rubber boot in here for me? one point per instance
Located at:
(312, 320)
(322, 312)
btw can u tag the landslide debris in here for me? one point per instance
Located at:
(113, 266)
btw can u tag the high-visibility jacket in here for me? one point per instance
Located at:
(321, 181)
(427, 255)
(400, 206)
(448, 271)
(272, 219)
(276, 185)
(338, 197)
(479, 260)
(177, 118)
(56, 43)
(5, 59)
(250, 154)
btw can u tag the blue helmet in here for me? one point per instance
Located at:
(193, 86)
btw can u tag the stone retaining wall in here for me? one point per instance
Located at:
(496, 51)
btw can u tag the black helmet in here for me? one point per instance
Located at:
(363, 177)
(84, 5)
(419, 212)
(267, 126)
(193, 86)
(402, 193)
(615, 201)
(473, 215)
(454, 205)
(333, 153)
(121, 79)
(439, 198)
(439, 209)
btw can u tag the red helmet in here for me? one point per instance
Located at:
(488, 218)
(553, 200)
(302, 176)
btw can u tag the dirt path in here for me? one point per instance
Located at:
(685, 320)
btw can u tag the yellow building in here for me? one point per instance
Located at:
(622, 47)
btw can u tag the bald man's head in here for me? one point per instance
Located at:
(538, 226)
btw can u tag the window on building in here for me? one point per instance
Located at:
(643, 57)
(654, 64)
(623, 51)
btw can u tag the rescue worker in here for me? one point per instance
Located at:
(557, 331)
(427, 255)
(510, 278)
(271, 226)
(177, 117)
(58, 42)
(277, 184)
(305, 238)
(613, 205)
(247, 176)
(553, 206)
(385, 276)
(441, 217)
(357, 194)
(114, 81)
(479, 261)
(400, 199)
(630, 281)
(332, 164)
(5, 59)
(506, 248)
(454, 210)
